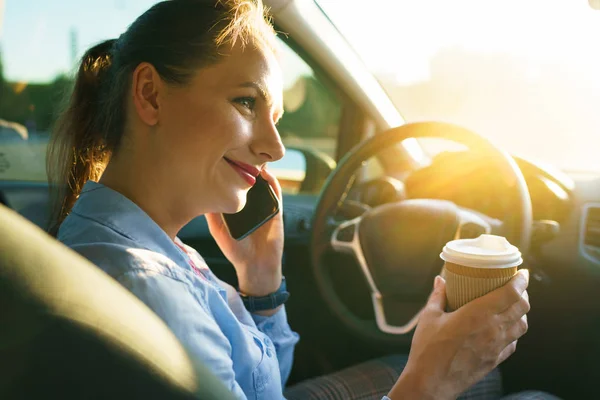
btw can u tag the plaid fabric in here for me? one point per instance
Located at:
(370, 380)
(373, 379)
(530, 396)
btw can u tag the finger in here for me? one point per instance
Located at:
(517, 310)
(272, 180)
(517, 329)
(437, 298)
(507, 352)
(502, 298)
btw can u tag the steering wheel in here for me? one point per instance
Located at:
(397, 245)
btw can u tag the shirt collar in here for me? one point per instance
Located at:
(115, 211)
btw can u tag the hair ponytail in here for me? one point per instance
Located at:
(78, 150)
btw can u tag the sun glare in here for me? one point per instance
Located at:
(524, 73)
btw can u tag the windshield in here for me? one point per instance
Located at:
(525, 74)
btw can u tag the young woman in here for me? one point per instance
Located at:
(176, 119)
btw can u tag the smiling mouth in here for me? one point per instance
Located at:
(247, 172)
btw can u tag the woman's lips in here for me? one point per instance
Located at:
(247, 172)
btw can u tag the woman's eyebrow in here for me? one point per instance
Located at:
(262, 93)
(260, 89)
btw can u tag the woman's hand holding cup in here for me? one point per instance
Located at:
(451, 351)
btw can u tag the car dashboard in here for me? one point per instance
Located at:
(465, 178)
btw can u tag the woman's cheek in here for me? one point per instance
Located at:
(235, 129)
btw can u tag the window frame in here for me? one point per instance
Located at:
(353, 122)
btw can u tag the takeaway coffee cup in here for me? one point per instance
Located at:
(474, 267)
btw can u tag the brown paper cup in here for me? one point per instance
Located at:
(464, 284)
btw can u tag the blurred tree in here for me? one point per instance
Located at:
(1, 70)
(34, 105)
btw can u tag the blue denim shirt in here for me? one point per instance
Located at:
(252, 355)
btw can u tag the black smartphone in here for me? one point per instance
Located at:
(261, 205)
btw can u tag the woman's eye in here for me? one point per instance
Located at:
(247, 102)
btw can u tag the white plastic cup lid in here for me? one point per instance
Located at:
(487, 251)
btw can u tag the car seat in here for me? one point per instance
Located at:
(68, 330)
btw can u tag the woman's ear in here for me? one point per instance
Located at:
(146, 88)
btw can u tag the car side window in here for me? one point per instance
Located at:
(40, 45)
(310, 124)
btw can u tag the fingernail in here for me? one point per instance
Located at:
(526, 273)
(437, 282)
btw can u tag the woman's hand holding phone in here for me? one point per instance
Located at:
(257, 257)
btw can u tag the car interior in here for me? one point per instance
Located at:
(366, 213)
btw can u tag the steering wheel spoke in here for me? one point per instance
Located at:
(382, 323)
(346, 239)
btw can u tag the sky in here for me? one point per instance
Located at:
(35, 39)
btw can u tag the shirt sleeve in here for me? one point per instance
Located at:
(195, 328)
(276, 327)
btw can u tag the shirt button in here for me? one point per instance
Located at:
(269, 352)
(267, 341)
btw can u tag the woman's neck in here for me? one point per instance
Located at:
(137, 183)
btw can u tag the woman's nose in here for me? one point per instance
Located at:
(268, 145)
